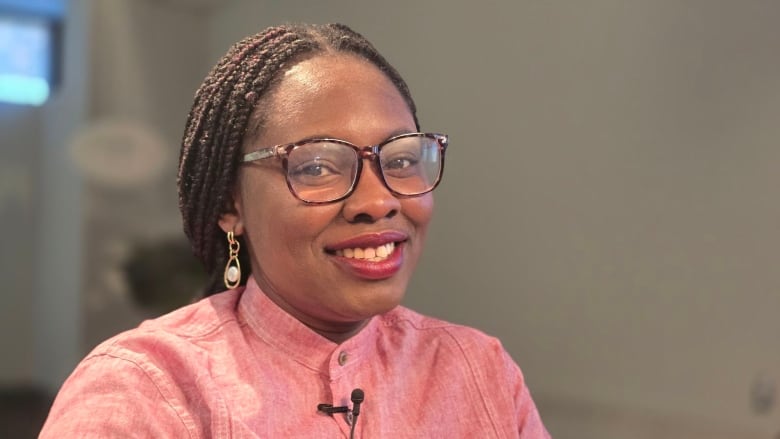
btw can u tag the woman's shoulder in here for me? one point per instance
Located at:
(198, 318)
(430, 330)
(184, 328)
(145, 373)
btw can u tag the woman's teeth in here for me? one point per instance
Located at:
(373, 254)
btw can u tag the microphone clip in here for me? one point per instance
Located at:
(330, 409)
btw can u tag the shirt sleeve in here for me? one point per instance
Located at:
(529, 422)
(108, 396)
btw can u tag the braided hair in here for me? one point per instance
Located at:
(229, 106)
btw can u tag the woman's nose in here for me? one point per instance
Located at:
(371, 200)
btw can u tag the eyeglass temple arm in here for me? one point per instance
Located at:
(260, 154)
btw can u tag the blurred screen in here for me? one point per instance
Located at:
(25, 59)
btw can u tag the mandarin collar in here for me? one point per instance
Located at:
(276, 327)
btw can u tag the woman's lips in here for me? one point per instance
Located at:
(371, 256)
(369, 240)
(376, 268)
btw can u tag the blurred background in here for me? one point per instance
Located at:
(609, 208)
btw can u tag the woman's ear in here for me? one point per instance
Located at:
(231, 220)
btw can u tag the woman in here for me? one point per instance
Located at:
(315, 236)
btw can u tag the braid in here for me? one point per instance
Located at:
(221, 116)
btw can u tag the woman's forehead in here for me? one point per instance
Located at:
(333, 93)
(331, 74)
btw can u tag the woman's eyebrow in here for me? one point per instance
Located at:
(393, 133)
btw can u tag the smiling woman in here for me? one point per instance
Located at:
(306, 189)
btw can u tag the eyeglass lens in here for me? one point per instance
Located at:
(324, 171)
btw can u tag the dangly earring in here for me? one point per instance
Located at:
(232, 275)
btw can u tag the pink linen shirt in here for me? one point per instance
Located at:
(235, 365)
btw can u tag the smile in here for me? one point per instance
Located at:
(372, 254)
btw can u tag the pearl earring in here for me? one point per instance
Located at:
(232, 276)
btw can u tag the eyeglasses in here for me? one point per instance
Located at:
(320, 171)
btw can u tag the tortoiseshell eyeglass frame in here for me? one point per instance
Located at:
(370, 152)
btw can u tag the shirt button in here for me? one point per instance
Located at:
(343, 358)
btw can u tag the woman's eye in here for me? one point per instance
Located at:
(313, 170)
(315, 173)
(399, 163)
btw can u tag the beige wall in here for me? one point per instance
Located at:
(148, 59)
(17, 186)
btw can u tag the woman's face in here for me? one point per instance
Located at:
(299, 251)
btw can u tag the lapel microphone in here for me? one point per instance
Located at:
(357, 398)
